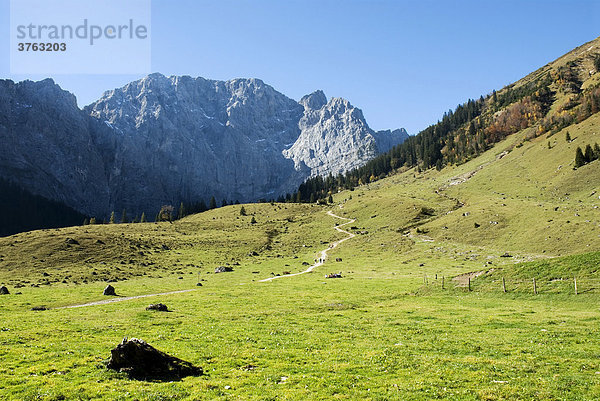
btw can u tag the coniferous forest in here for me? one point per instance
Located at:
(23, 211)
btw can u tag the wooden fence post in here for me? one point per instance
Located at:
(534, 287)
(503, 285)
(575, 281)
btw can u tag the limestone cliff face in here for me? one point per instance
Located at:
(164, 140)
(48, 147)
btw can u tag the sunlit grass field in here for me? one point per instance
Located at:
(385, 330)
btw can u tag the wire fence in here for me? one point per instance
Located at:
(573, 285)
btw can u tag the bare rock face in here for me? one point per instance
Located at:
(141, 361)
(334, 137)
(165, 140)
(49, 146)
(387, 139)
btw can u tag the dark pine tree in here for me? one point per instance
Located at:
(579, 157)
(213, 203)
(588, 154)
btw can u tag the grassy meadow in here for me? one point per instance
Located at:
(386, 330)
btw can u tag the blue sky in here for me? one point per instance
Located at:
(402, 62)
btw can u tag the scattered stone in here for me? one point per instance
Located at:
(141, 361)
(158, 307)
(506, 255)
(223, 269)
(45, 274)
(72, 241)
(99, 241)
(305, 263)
(338, 259)
(39, 308)
(476, 225)
(4, 291)
(253, 253)
(286, 272)
(109, 290)
(165, 247)
(198, 284)
(334, 275)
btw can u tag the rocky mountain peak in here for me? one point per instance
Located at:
(165, 140)
(314, 101)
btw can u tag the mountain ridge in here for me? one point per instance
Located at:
(165, 140)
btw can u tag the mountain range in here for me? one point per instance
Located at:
(165, 140)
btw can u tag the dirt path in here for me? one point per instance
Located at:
(112, 300)
(322, 258)
(462, 280)
(323, 253)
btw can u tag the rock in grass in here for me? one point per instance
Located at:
(223, 269)
(109, 290)
(4, 291)
(141, 361)
(158, 307)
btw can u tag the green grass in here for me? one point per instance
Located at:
(556, 275)
(378, 333)
(348, 339)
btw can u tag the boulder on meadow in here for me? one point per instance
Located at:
(158, 307)
(223, 269)
(141, 361)
(109, 290)
(4, 291)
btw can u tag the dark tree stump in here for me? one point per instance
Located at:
(141, 361)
